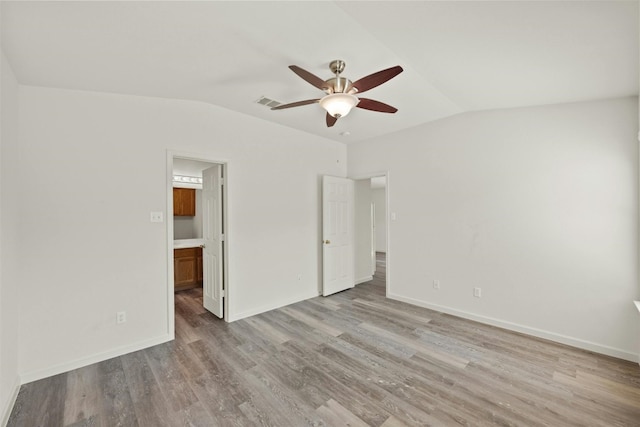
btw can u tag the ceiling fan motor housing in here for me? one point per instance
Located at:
(339, 85)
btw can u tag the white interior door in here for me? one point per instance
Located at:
(338, 234)
(212, 233)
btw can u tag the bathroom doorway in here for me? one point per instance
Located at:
(197, 239)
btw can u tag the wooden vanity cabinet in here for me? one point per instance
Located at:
(187, 268)
(184, 202)
(199, 266)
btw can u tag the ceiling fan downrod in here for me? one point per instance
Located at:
(337, 67)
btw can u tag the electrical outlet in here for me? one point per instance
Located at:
(477, 292)
(121, 317)
(436, 284)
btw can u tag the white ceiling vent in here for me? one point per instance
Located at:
(267, 102)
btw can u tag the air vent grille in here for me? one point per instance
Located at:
(267, 102)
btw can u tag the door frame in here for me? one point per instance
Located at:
(171, 154)
(387, 231)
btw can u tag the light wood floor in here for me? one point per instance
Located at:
(352, 359)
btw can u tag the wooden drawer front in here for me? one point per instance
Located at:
(186, 252)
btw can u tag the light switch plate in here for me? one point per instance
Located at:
(157, 217)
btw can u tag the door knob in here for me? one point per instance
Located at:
(327, 242)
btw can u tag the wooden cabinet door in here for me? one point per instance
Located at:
(184, 272)
(184, 202)
(187, 268)
(199, 265)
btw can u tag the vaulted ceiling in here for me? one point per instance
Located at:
(457, 56)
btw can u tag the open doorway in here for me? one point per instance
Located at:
(371, 231)
(198, 255)
(379, 227)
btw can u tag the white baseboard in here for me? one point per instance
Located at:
(8, 407)
(364, 279)
(28, 377)
(263, 309)
(552, 336)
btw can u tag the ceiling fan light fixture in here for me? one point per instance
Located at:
(339, 104)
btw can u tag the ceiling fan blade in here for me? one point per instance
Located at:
(295, 104)
(309, 78)
(331, 120)
(373, 105)
(376, 79)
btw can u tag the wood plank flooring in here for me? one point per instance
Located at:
(352, 359)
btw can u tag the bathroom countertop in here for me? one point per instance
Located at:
(187, 243)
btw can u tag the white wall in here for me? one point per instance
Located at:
(9, 240)
(379, 199)
(184, 228)
(537, 206)
(362, 211)
(95, 166)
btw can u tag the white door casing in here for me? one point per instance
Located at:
(338, 234)
(212, 262)
(373, 239)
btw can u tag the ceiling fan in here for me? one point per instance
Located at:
(341, 93)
